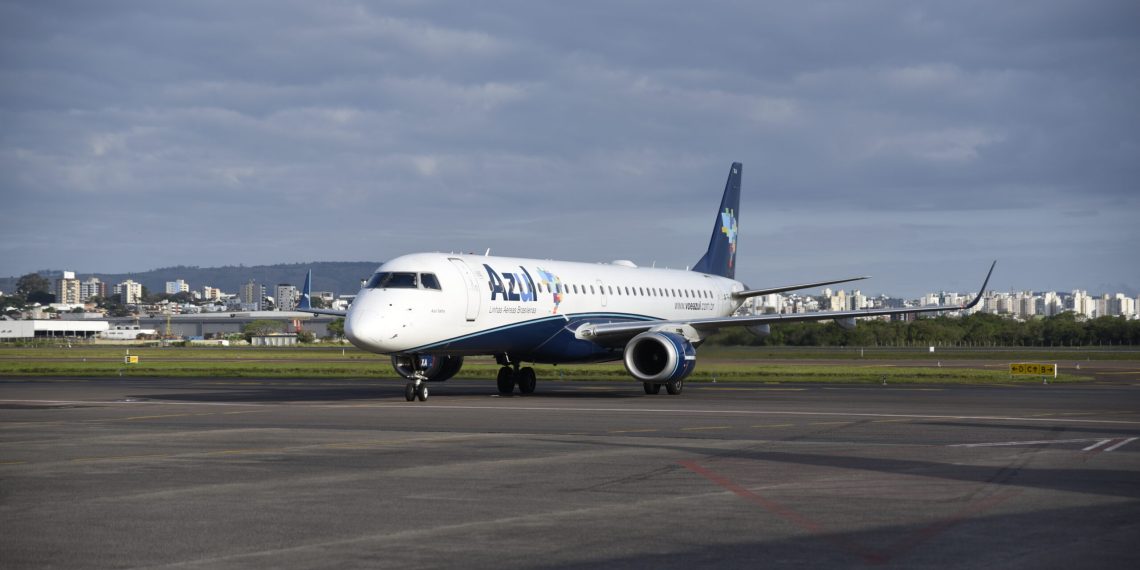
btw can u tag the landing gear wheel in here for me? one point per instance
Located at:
(675, 387)
(651, 388)
(410, 392)
(422, 392)
(506, 380)
(527, 380)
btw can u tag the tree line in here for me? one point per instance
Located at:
(979, 329)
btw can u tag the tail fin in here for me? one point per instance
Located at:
(306, 293)
(720, 259)
(306, 304)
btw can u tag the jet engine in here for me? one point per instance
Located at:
(660, 357)
(436, 368)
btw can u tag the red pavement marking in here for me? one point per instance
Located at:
(907, 543)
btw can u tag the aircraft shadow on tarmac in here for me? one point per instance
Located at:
(385, 391)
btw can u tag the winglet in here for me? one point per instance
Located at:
(983, 289)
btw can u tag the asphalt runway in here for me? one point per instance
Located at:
(225, 473)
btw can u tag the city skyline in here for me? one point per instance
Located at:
(71, 290)
(868, 286)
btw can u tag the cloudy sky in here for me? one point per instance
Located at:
(910, 141)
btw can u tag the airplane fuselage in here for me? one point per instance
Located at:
(438, 303)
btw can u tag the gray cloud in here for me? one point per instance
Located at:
(874, 135)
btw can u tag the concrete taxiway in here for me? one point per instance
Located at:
(293, 473)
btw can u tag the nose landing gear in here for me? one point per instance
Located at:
(417, 388)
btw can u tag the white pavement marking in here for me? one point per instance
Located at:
(1121, 444)
(1096, 445)
(1011, 443)
(748, 412)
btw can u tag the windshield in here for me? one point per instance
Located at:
(403, 280)
(393, 280)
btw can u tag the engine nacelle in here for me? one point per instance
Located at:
(659, 357)
(846, 324)
(436, 368)
(760, 331)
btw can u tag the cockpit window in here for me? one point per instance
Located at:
(429, 281)
(393, 280)
(403, 280)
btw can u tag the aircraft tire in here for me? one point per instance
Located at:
(527, 380)
(410, 392)
(422, 392)
(674, 387)
(651, 388)
(506, 380)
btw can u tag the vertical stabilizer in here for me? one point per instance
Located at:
(306, 293)
(720, 259)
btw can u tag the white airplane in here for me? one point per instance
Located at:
(430, 310)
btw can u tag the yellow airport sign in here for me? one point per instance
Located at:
(130, 360)
(1032, 369)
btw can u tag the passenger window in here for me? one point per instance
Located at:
(429, 281)
(575, 289)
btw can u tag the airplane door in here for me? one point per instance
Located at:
(473, 292)
(602, 288)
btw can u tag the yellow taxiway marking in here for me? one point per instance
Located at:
(119, 457)
(632, 430)
(705, 428)
(1124, 373)
(161, 416)
(773, 425)
(754, 389)
(826, 423)
(12, 462)
(887, 421)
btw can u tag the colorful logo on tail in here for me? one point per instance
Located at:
(728, 228)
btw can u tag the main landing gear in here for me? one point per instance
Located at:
(673, 388)
(510, 375)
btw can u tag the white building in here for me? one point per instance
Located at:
(177, 286)
(129, 292)
(211, 293)
(67, 289)
(92, 287)
(286, 297)
(52, 329)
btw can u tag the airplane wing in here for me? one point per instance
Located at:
(306, 300)
(758, 292)
(607, 333)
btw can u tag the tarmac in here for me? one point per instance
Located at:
(226, 473)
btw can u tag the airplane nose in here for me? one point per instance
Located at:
(361, 332)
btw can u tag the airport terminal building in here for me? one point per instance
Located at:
(202, 325)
